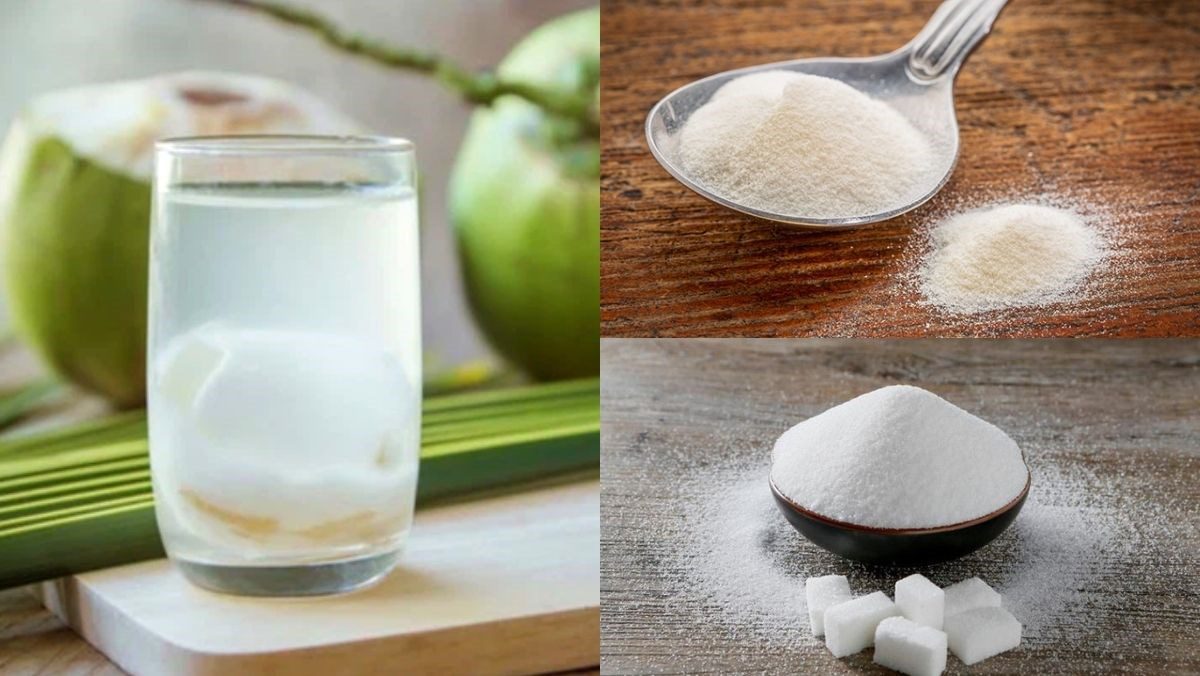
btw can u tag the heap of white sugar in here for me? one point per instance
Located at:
(1008, 256)
(898, 457)
(804, 145)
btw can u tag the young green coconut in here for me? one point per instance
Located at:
(75, 208)
(525, 200)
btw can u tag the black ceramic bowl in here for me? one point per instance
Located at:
(899, 546)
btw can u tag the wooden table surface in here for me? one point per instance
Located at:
(1102, 565)
(1093, 100)
(34, 641)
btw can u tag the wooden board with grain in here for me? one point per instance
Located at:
(34, 641)
(1102, 565)
(1097, 101)
(502, 585)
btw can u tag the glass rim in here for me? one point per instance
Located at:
(282, 144)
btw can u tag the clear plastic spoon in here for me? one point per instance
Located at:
(917, 80)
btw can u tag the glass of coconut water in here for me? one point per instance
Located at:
(284, 360)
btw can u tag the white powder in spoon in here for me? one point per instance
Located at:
(804, 145)
(1008, 256)
(898, 457)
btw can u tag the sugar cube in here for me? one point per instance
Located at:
(920, 600)
(822, 593)
(850, 625)
(968, 594)
(911, 648)
(978, 634)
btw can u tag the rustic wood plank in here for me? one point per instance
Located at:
(1095, 99)
(34, 641)
(1110, 429)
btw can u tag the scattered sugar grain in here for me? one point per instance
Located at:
(822, 593)
(731, 552)
(910, 648)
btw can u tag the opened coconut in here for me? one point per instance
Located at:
(75, 208)
(525, 200)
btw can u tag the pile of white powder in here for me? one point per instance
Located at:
(804, 145)
(898, 457)
(1015, 255)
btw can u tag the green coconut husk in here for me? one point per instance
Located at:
(533, 274)
(58, 237)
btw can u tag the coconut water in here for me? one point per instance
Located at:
(284, 376)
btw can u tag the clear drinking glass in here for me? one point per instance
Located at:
(284, 359)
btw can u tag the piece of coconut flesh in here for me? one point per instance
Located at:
(116, 124)
(288, 439)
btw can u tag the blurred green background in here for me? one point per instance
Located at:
(57, 45)
(60, 44)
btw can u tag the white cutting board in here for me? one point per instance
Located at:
(504, 585)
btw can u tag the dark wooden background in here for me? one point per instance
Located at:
(1110, 428)
(1096, 99)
